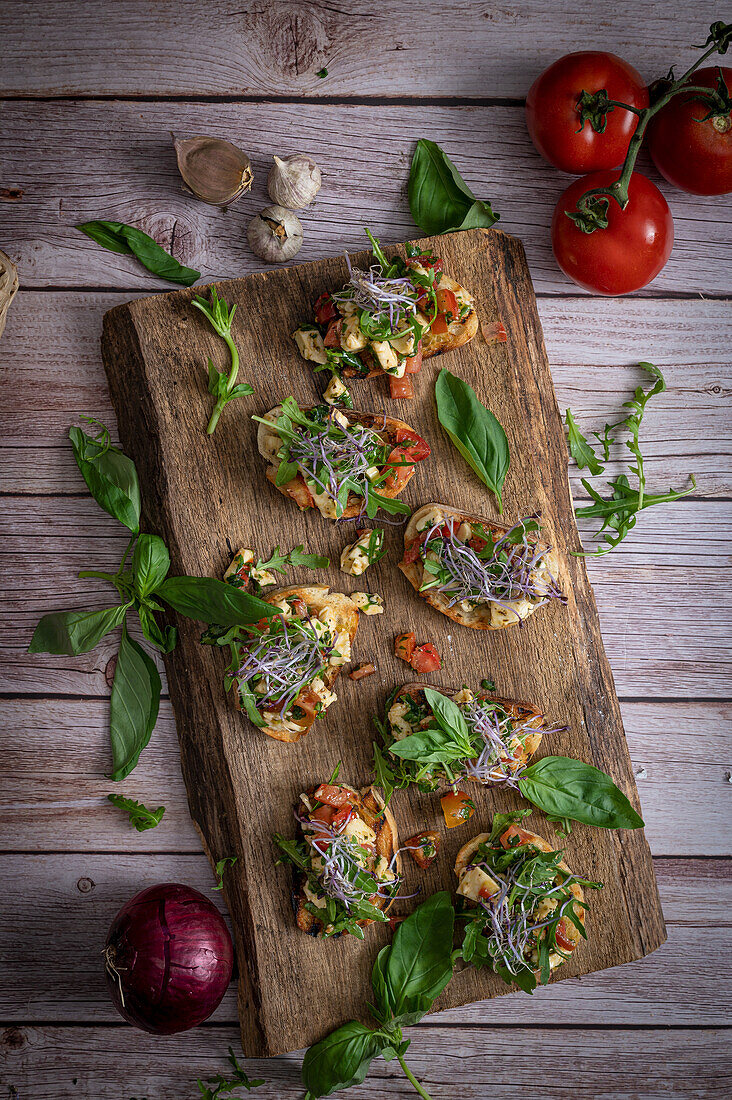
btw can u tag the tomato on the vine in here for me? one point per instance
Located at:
(629, 252)
(694, 153)
(553, 115)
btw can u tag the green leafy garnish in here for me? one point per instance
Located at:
(139, 815)
(572, 790)
(221, 385)
(218, 1086)
(439, 198)
(474, 430)
(295, 557)
(126, 239)
(322, 73)
(221, 865)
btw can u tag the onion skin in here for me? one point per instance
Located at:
(169, 959)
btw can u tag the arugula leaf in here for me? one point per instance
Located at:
(134, 705)
(580, 449)
(341, 1059)
(212, 601)
(474, 430)
(502, 821)
(110, 476)
(127, 240)
(70, 633)
(568, 788)
(439, 199)
(150, 564)
(222, 1086)
(139, 815)
(221, 865)
(294, 557)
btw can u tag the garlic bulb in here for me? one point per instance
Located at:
(275, 235)
(8, 286)
(213, 170)
(294, 181)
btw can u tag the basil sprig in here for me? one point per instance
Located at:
(126, 239)
(112, 480)
(620, 510)
(439, 198)
(474, 430)
(221, 385)
(407, 978)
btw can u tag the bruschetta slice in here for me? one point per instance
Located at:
(503, 734)
(386, 320)
(346, 861)
(528, 907)
(479, 573)
(345, 463)
(284, 668)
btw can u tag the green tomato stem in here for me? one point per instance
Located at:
(410, 1076)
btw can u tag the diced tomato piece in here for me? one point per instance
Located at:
(362, 671)
(457, 807)
(426, 658)
(494, 332)
(414, 362)
(401, 387)
(334, 796)
(403, 463)
(325, 309)
(477, 543)
(563, 941)
(423, 302)
(324, 814)
(486, 892)
(394, 922)
(299, 608)
(423, 848)
(332, 338)
(419, 448)
(411, 552)
(341, 817)
(447, 303)
(514, 831)
(404, 645)
(439, 325)
(426, 261)
(298, 490)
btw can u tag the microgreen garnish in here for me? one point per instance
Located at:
(620, 511)
(278, 663)
(218, 1086)
(223, 386)
(139, 815)
(221, 865)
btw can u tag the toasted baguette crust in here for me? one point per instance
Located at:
(572, 933)
(520, 711)
(371, 805)
(480, 617)
(318, 597)
(458, 332)
(386, 426)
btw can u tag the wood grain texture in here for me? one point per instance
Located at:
(130, 175)
(225, 49)
(689, 428)
(199, 493)
(69, 739)
(57, 910)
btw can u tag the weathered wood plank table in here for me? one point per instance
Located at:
(89, 95)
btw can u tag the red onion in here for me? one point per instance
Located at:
(168, 959)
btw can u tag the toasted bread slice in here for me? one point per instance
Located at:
(521, 712)
(459, 332)
(466, 853)
(488, 616)
(369, 806)
(316, 598)
(387, 427)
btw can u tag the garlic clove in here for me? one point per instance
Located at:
(213, 170)
(8, 286)
(294, 181)
(275, 235)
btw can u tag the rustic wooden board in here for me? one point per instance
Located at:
(202, 494)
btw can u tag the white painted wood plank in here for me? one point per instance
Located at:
(680, 754)
(51, 348)
(129, 174)
(179, 47)
(664, 615)
(57, 910)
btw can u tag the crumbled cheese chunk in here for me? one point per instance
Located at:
(465, 695)
(431, 517)
(352, 339)
(368, 603)
(358, 830)
(354, 558)
(310, 345)
(263, 577)
(473, 881)
(242, 557)
(397, 719)
(334, 391)
(388, 358)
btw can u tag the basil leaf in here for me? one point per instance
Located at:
(126, 239)
(110, 477)
(211, 601)
(69, 633)
(580, 449)
(429, 746)
(450, 718)
(573, 789)
(164, 639)
(134, 704)
(150, 564)
(439, 198)
(341, 1059)
(419, 965)
(474, 430)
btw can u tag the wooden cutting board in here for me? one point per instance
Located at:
(208, 496)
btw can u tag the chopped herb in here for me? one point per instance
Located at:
(139, 815)
(322, 73)
(219, 1085)
(221, 865)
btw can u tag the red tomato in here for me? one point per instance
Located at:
(334, 796)
(325, 309)
(414, 362)
(323, 813)
(477, 543)
(298, 490)
(400, 474)
(563, 941)
(426, 658)
(426, 261)
(401, 387)
(404, 645)
(630, 252)
(299, 608)
(447, 303)
(341, 818)
(694, 155)
(439, 325)
(457, 807)
(411, 552)
(419, 448)
(553, 118)
(514, 831)
(332, 338)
